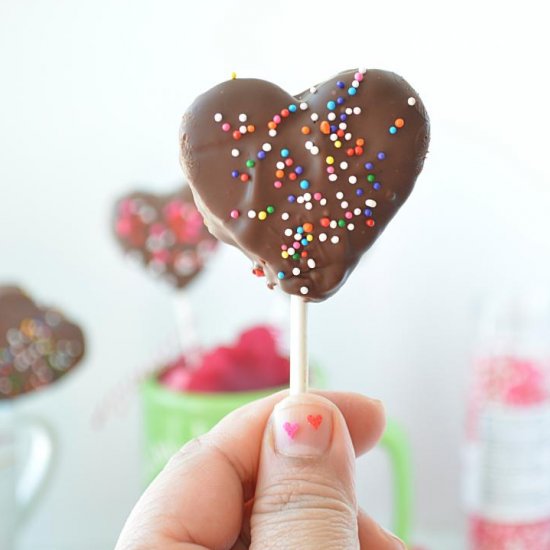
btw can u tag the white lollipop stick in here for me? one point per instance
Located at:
(188, 337)
(298, 346)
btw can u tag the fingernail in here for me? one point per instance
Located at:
(302, 427)
(397, 543)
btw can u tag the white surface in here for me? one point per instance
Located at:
(91, 97)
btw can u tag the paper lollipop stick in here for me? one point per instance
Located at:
(299, 368)
(188, 336)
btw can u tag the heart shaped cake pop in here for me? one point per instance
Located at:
(166, 233)
(37, 345)
(304, 185)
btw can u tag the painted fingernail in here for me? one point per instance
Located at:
(302, 427)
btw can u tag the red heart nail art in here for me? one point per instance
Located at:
(166, 233)
(315, 421)
(291, 428)
(304, 184)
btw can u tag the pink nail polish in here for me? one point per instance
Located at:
(301, 429)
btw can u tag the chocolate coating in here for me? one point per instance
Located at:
(38, 345)
(330, 183)
(165, 233)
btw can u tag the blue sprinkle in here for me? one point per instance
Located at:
(359, 192)
(298, 170)
(304, 184)
(304, 242)
(235, 173)
(291, 198)
(369, 165)
(343, 117)
(381, 155)
(340, 100)
(281, 275)
(333, 128)
(285, 153)
(376, 185)
(261, 154)
(352, 91)
(393, 130)
(340, 84)
(331, 105)
(300, 230)
(292, 108)
(367, 212)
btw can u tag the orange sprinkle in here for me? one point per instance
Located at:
(325, 127)
(250, 128)
(272, 125)
(304, 254)
(305, 130)
(292, 176)
(237, 134)
(308, 227)
(359, 142)
(340, 133)
(350, 152)
(359, 151)
(280, 174)
(399, 123)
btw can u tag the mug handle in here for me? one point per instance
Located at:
(396, 444)
(37, 466)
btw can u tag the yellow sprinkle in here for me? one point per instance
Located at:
(284, 254)
(309, 238)
(233, 75)
(330, 160)
(337, 144)
(262, 215)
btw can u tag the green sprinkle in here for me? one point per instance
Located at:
(341, 223)
(371, 177)
(270, 209)
(296, 256)
(250, 163)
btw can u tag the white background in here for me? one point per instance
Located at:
(91, 93)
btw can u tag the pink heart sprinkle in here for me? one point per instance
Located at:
(291, 428)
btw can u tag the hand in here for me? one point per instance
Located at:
(278, 473)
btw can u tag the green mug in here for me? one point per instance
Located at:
(171, 418)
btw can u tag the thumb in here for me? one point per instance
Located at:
(305, 492)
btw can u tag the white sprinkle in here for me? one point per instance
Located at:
(296, 271)
(411, 101)
(339, 195)
(308, 145)
(355, 83)
(307, 196)
(347, 137)
(303, 105)
(288, 232)
(344, 204)
(333, 224)
(266, 147)
(335, 239)
(331, 116)
(357, 110)
(242, 117)
(357, 211)
(342, 125)
(251, 214)
(285, 216)
(297, 237)
(313, 90)
(280, 165)
(291, 251)
(304, 289)
(332, 177)
(362, 70)
(352, 180)
(351, 227)
(300, 200)
(349, 111)
(242, 129)
(370, 202)
(333, 137)
(322, 237)
(314, 150)
(314, 117)
(235, 152)
(308, 206)
(311, 263)
(323, 202)
(272, 132)
(344, 165)
(218, 117)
